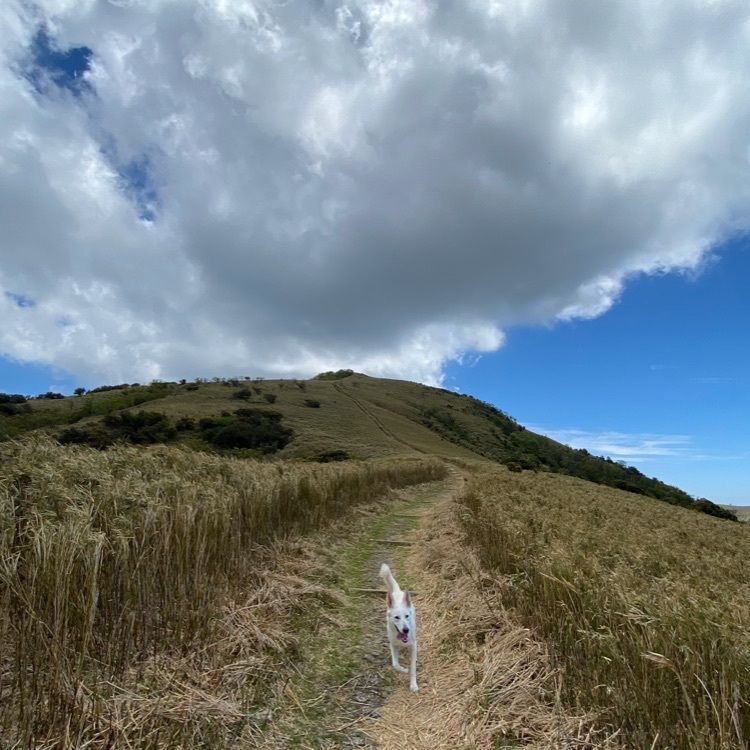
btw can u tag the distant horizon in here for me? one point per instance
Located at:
(554, 434)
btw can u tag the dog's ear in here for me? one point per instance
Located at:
(388, 600)
(407, 600)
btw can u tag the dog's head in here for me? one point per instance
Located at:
(400, 615)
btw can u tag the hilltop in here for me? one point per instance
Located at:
(334, 416)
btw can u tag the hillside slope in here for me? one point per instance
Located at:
(331, 417)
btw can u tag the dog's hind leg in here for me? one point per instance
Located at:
(394, 660)
(413, 669)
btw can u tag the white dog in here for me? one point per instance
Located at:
(400, 624)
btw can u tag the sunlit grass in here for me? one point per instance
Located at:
(647, 606)
(109, 558)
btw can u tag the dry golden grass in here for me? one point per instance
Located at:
(646, 606)
(485, 681)
(121, 573)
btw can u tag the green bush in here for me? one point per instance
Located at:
(270, 397)
(10, 409)
(331, 456)
(95, 436)
(313, 403)
(12, 398)
(141, 428)
(252, 428)
(337, 375)
(706, 506)
(104, 388)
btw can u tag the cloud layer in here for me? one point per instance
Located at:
(279, 188)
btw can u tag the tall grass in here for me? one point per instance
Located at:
(647, 606)
(107, 558)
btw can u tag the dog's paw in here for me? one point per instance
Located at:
(414, 687)
(401, 669)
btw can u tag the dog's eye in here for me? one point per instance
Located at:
(397, 618)
(406, 617)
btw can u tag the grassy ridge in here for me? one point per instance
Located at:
(41, 413)
(647, 606)
(350, 413)
(107, 557)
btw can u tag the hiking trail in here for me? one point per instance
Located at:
(483, 678)
(344, 676)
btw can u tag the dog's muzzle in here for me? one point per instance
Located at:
(403, 635)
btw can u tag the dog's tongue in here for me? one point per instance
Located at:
(402, 636)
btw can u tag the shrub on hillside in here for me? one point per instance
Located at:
(104, 388)
(141, 428)
(244, 394)
(313, 403)
(337, 375)
(12, 398)
(50, 395)
(207, 423)
(330, 456)
(622, 484)
(185, 423)
(712, 509)
(10, 410)
(95, 436)
(254, 429)
(270, 397)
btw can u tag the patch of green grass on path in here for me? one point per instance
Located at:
(342, 664)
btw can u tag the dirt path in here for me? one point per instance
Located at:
(378, 423)
(344, 674)
(485, 681)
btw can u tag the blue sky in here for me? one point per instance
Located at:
(663, 378)
(195, 189)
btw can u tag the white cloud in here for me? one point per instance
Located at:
(622, 445)
(378, 185)
(635, 447)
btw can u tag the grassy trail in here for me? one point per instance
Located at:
(378, 423)
(344, 673)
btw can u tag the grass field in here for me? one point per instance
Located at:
(110, 560)
(646, 606)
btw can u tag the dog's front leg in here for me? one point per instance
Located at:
(413, 669)
(394, 659)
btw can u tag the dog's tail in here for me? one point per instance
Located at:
(390, 581)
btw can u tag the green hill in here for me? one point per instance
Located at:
(334, 416)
